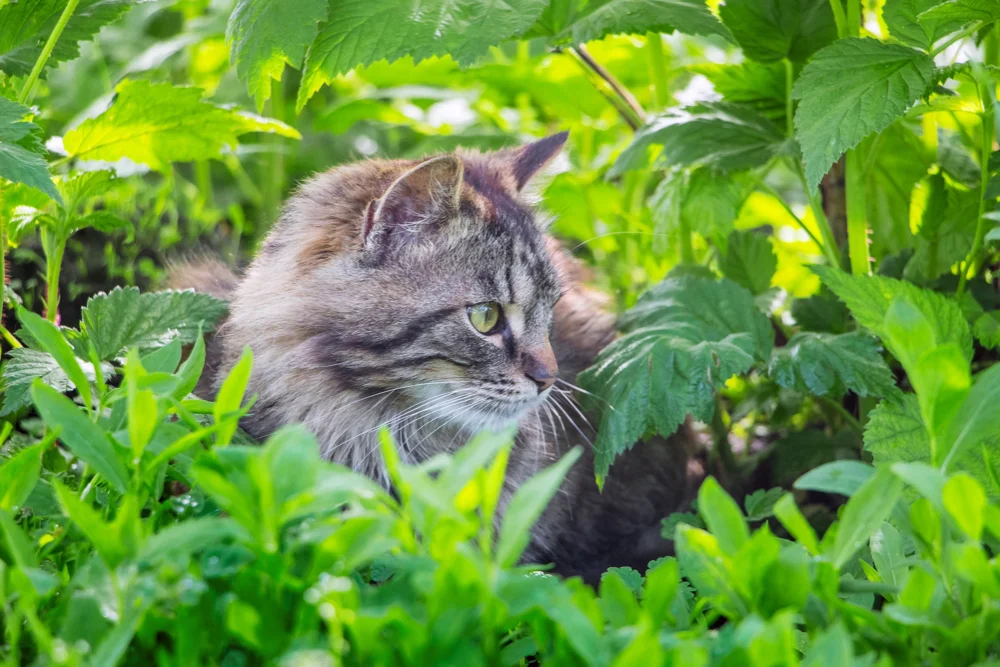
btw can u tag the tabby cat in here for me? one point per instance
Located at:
(426, 295)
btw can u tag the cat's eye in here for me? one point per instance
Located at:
(486, 317)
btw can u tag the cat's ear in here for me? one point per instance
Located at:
(529, 159)
(427, 194)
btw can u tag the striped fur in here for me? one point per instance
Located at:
(356, 311)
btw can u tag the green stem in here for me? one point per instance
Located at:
(839, 18)
(788, 209)
(687, 246)
(54, 249)
(9, 337)
(988, 94)
(844, 414)
(43, 57)
(853, 18)
(829, 245)
(857, 222)
(657, 70)
(789, 102)
(956, 37)
(612, 89)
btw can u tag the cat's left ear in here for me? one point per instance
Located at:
(529, 159)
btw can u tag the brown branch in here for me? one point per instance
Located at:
(617, 95)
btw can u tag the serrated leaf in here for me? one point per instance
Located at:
(749, 260)
(361, 32)
(771, 30)
(869, 297)
(760, 504)
(851, 89)
(895, 432)
(102, 221)
(24, 365)
(706, 203)
(686, 337)
(263, 40)
(759, 86)
(157, 123)
(612, 17)
(961, 11)
(822, 312)
(124, 318)
(630, 577)
(26, 25)
(947, 239)
(726, 137)
(20, 161)
(986, 329)
(902, 19)
(829, 365)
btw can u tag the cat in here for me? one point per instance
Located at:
(427, 295)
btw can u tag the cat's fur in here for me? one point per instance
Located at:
(355, 309)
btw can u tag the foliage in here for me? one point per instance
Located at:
(790, 205)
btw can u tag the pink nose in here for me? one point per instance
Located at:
(540, 366)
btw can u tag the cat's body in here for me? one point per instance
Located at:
(358, 311)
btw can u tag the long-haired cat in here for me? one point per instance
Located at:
(426, 295)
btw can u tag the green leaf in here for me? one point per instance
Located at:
(770, 30)
(795, 523)
(157, 123)
(946, 231)
(704, 563)
(183, 539)
(821, 312)
(527, 505)
(102, 221)
(80, 435)
(832, 647)
(190, 371)
(977, 420)
(843, 477)
(869, 297)
(864, 513)
(759, 86)
(48, 336)
(612, 17)
(264, 40)
(760, 504)
(986, 329)
(901, 17)
(706, 203)
(361, 32)
(124, 318)
(24, 365)
(726, 137)
(887, 553)
(19, 474)
(965, 501)
(26, 26)
(115, 541)
(230, 396)
(686, 337)
(961, 11)
(749, 260)
(22, 160)
(722, 516)
(926, 480)
(851, 89)
(828, 365)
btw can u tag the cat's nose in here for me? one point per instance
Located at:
(540, 366)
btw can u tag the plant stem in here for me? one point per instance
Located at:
(789, 102)
(626, 103)
(956, 37)
(857, 215)
(844, 414)
(43, 57)
(839, 18)
(988, 94)
(9, 337)
(829, 246)
(788, 209)
(853, 25)
(657, 70)
(54, 249)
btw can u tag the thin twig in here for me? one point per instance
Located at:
(616, 85)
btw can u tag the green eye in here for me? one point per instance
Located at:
(485, 317)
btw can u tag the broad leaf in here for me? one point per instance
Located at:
(722, 516)
(21, 154)
(686, 337)
(770, 30)
(946, 232)
(864, 513)
(905, 23)
(828, 365)
(749, 260)
(124, 318)
(24, 365)
(843, 477)
(869, 297)
(961, 11)
(700, 199)
(25, 26)
(157, 123)
(609, 17)
(759, 86)
(759, 505)
(986, 329)
(887, 553)
(850, 89)
(264, 40)
(48, 336)
(726, 137)
(19, 474)
(361, 32)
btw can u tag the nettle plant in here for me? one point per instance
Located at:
(138, 525)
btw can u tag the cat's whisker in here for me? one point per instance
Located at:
(585, 392)
(576, 408)
(573, 423)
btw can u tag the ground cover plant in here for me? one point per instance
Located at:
(793, 206)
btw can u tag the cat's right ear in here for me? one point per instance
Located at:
(425, 196)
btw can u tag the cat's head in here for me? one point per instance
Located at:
(448, 298)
